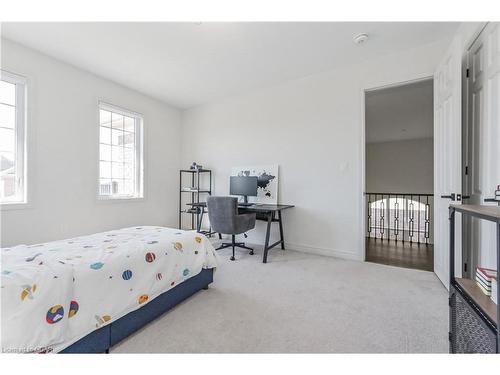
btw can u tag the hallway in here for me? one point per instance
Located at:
(399, 254)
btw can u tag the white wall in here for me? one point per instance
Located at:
(63, 154)
(400, 166)
(313, 128)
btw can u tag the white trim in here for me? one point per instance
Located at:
(7, 206)
(12, 77)
(472, 39)
(335, 253)
(116, 109)
(139, 156)
(20, 129)
(107, 199)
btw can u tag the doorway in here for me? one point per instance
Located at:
(399, 173)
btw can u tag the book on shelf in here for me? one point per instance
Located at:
(484, 279)
(483, 289)
(484, 284)
(486, 273)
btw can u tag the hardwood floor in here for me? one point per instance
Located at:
(397, 254)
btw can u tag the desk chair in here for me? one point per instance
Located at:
(224, 218)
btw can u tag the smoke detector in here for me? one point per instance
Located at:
(360, 38)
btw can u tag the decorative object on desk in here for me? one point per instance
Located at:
(267, 182)
(484, 277)
(195, 166)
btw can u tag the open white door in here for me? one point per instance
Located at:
(447, 157)
(483, 116)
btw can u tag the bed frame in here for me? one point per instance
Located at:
(101, 340)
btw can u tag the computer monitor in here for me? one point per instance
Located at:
(243, 185)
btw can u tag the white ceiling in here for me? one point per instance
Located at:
(400, 113)
(188, 64)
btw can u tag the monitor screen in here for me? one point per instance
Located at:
(243, 185)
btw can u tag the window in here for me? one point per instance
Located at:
(12, 138)
(120, 153)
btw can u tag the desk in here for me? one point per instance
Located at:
(265, 212)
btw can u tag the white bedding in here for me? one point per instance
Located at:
(55, 293)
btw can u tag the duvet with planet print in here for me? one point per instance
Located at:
(55, 293)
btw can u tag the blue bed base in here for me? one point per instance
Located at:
(101, 340)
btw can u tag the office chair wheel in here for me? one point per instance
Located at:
(232, 258)
(251, 252)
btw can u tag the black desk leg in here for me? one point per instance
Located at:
(268, 233)
(200, 220)
(282, 238)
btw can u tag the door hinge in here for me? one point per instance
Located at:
(465, 267)
(467, 73)
(466, 169)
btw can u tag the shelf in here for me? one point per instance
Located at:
(189, 211)
(195, 170)
(195, 193)
(492, 200)
(480, 299)
(491, 213)
(207, 232)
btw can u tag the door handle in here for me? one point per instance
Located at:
(451, 196)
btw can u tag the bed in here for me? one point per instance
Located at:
(85, 294)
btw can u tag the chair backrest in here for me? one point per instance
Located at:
(222, 212)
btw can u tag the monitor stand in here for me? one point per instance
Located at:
(245, 202)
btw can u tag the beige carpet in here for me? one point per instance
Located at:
(303, 303)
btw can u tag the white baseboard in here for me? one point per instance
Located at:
(323, 251)
(342, 254)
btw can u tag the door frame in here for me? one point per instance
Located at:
(364, 91)
(466, 128)
(468, 256)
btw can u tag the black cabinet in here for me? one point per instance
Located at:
(470, 332)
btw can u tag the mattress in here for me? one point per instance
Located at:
(55, 293)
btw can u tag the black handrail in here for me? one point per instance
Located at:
(393, 216)
(414, 194)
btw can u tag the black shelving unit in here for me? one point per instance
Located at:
(196, 193)
(473, 315)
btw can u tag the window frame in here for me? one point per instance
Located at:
(20, 131)
(139, 153)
